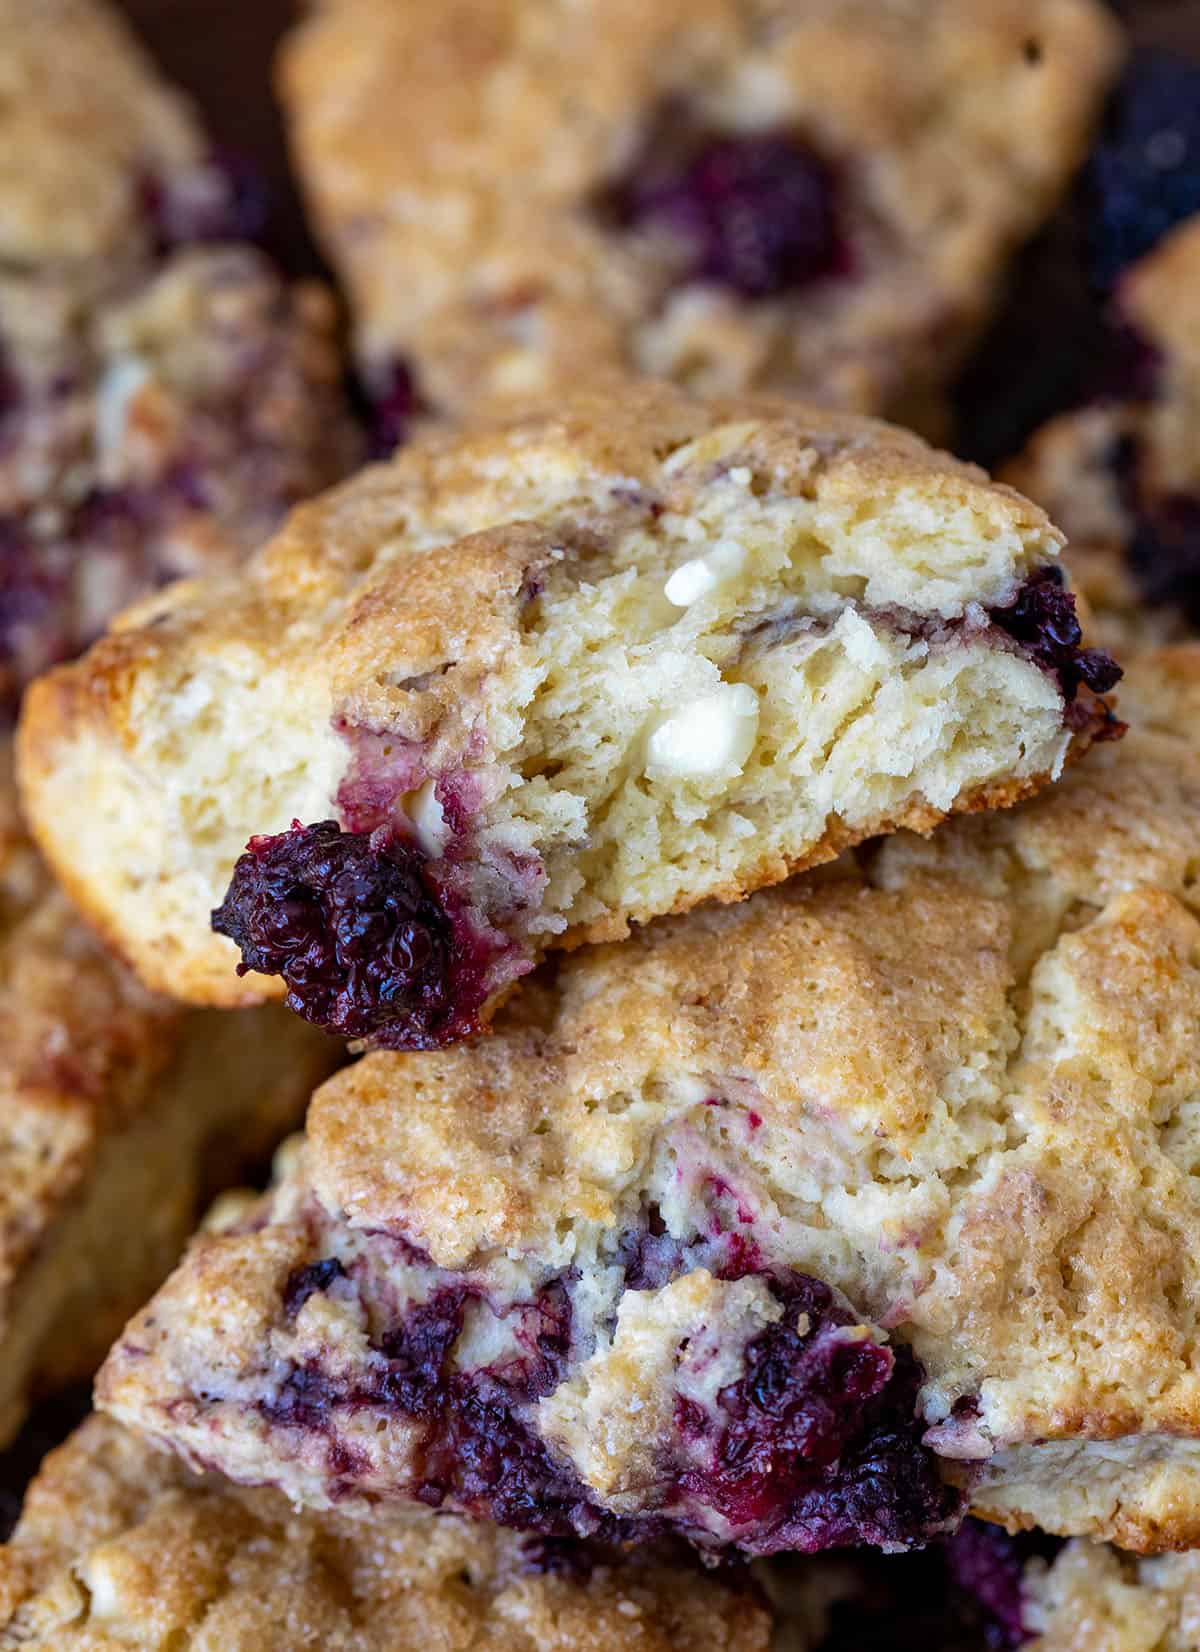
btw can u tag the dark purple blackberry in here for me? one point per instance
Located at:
(757, 212)
(366, 949)
(307, 1281)
(818, 1444)
(1164, 553)
(1144, 176)
(559, 1557)
(1042, 619)
(476, 1451)
(987, 1567)
(821, 1443)
(394, 404)
(227, 201)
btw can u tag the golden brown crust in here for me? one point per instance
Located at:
(483, 261)
(1092, 1598)
(418, 602)
(119, 1115)
(120, 1546)
(955, 1077)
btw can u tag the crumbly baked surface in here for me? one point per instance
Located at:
(119, 1547)
(1122, 475)
(119, 1115)
(588, 667)
(165, 396)
(953, 1079)
(1093, 1598)
(814, 196)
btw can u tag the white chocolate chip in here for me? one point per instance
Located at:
(115, 396)
(702, 575)
(102, 1586)
(429, 822)
(709, 737)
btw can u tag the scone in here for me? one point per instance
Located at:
(521, 688)
(120, 1547)
(1121, 475)
(119, 1115)
(813, 196)
(747, 1227)
(1075, 1597)
(165, 396)
(1093, 1598)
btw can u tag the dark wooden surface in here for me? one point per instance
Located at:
(220, 51)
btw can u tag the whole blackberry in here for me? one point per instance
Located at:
(365, 948)
(1042, 618)
(758, 212)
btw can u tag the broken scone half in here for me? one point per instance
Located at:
(525, 686)
(119, 1546)
(767, 1223)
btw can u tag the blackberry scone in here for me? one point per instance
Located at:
(165, 396)
(814, 196)
(523, 687)
(1047, 1596)
(1122, 474)
(121, 1547)
(119, 1115)
(765, 1224)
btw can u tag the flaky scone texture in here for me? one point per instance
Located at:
(956, 1080)
(120, 1547)
(588, 667)
(119, 1115)
(165, 395)
(1121, 476)
(511, 252)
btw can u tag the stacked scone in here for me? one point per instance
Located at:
(768, 926)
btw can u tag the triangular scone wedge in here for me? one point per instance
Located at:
(119, 1546)
(756, 1225)
(524, 687)
(677, 189)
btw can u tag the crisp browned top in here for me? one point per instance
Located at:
(956, 1076)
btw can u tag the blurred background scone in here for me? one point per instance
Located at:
(1121, 475)
(121, 1547)
(165, 396)
(119, 1117)
(817, 196)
